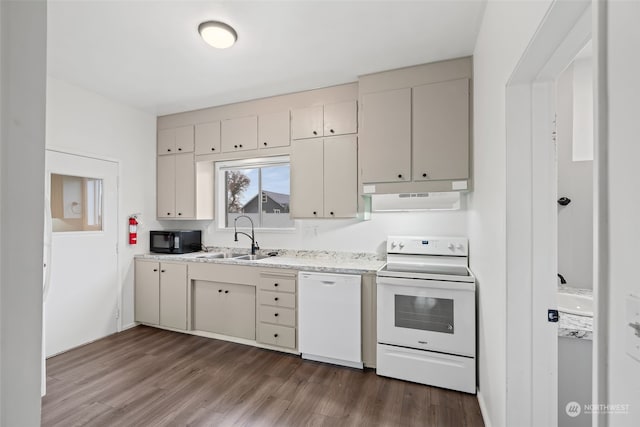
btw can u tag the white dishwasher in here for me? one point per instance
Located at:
(329, 318)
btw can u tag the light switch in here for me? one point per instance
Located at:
(633, 327)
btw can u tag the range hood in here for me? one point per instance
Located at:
(415, 201)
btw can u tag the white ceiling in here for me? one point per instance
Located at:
(148, 54)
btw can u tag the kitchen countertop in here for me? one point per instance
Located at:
(314, 261)
(573, 325)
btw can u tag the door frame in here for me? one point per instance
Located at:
(531, 212)
(117, 213)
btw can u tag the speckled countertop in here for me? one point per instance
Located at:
(573, 325)
(316, 261)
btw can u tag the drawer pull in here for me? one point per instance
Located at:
(275, 335)
(275, 299)
(155, 269)
(275, 284)
(276, 314)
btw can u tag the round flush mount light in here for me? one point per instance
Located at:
(218, 34)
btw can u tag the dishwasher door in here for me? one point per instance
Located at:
(329, 318)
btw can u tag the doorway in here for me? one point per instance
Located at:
(81, 301)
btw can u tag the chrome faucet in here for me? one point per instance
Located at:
(254, 244)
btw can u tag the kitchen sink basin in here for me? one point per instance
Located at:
(217, 255)
(251, 257)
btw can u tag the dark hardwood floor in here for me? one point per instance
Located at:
(151, 377)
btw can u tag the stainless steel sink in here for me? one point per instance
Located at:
(251, 257)
(217, 255)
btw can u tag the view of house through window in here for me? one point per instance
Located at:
(260, 191)
(76, 203)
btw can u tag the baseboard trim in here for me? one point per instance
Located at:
(483, 409)
(129, 326)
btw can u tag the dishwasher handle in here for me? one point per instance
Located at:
(328, 282)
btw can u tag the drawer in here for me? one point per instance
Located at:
(275, 283)
(277, 299)
(282, 336)
(278, 315)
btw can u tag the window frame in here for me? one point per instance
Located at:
(221, 191)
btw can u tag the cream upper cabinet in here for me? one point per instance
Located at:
(185, 186)
(166, 187)
(324, 178)
(239, 134)
(176, 186)
(273, 130)
(307, 122)
(307, 179)
(176, 140)
(207, 139)
(441, 131)
(341, 118)
(340, 177)
(385, 142)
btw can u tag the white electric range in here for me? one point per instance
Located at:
(427, 313)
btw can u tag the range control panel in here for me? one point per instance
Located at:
(419, 245)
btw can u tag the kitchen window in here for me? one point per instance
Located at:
(257, 188)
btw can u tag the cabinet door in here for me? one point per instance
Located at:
(184, 139)
(185, 186)
(307, 179)
(340, 118)
(240, 134)
(306, 122)
(166, 141)
(441, 131)
(208, 138)
(273, 130)
(173, 295)
(240, 303)
(166, 186)
(340, 177)
(147, 292)
(385, 142)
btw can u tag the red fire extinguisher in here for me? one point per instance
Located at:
(133, 230)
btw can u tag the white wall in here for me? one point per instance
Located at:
(506, 30)
(22, 125)
(340, 235)
(86, 123)
(575, 181)
(624, 203)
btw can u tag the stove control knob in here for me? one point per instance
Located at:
(401, 245)
(460, 247)
(450, 246)
(393, 244)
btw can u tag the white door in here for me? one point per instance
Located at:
(82, 300)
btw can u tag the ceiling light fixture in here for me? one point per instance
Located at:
(218, 34)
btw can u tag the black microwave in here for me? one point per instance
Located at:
(175, 241)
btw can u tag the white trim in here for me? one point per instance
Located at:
(531, 220)
(483, 409)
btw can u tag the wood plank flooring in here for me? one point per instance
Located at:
(151, 377)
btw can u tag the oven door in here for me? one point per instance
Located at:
(427, 314)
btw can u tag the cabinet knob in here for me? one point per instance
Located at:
(275, 335)
(226, 292)
(213, 149)
(155, 269)
(424, 175)
(219, 290)
(275, 284)
(315, 213)
(275, 299)
(161, 271)
(331, 130)
(235, 146)
(179, 149)
(265, 144)
(168, 213)
(315, 133)
(240, 146)
(330, 213)
(179, 213)
(168, 150)
(400, 175)
(276, 314)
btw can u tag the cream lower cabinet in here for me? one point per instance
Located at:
(324, 182)
(161, 294)
(277, 315)
(224, 308)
